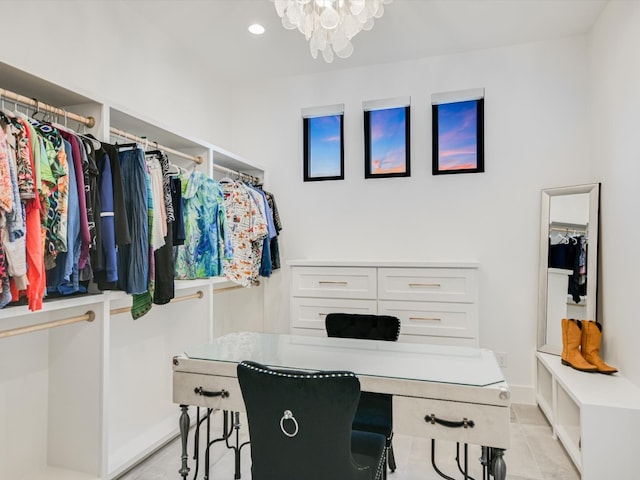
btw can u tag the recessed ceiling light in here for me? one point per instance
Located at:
(256, 29)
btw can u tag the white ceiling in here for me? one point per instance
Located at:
(211, 36)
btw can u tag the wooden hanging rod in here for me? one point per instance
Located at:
(198, 294)
(251, 178)
(35, 103)
(145, 141)
(235, 287)
(87, 317)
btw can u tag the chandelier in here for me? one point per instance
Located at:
(329, 25)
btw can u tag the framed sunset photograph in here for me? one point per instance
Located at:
(458, 137)
(386, 142)
(323, 147)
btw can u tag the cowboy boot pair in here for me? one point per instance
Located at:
(581, 341)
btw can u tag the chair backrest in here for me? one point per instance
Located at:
(300, 423)
(355, 325)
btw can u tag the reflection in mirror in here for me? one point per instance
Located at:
(568, 260)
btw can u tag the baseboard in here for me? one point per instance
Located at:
(524, 394)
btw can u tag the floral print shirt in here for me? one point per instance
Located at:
(207, 243)
(248, 229)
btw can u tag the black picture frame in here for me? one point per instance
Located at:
(458, 137)
(387, 142)
(323, 159)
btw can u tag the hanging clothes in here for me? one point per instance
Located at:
(569, 252)
(142, 302)
(179, 234)
(207, 241)
(37, 232)
(133, 258)
(248, 229)
(84, 197)
(105, 263)
(63, 278)
(275, 250)
(90, 174)
(54, 189)
(260, 199)
(36, 275)
(12, 225)
(26, 180)
(114, 223)
(164, 263)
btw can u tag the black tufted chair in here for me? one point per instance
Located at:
(374, 412)
(300, 426)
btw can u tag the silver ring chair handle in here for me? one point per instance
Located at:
(288, 415)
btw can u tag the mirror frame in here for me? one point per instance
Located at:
(593, 189)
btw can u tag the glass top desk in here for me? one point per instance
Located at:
(439, 392)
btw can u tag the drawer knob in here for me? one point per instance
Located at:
(465, 423)
(201, 391)
(504, 394)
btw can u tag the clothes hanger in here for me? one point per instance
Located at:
(175, 170)
(226, 179)
(97, 144)
(5, 116)
(123, 146)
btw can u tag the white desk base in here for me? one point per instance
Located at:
(487, 407)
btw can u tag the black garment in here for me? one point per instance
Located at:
(90, 170)
(179, 235)
(164, 289)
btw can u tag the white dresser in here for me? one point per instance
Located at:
(435, 302)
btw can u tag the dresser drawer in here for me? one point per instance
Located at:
(311, 312)
(334, 282)
(490, 422)
(428, 284)
(186, 388)
(433, 318)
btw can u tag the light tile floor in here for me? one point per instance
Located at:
(534, 455)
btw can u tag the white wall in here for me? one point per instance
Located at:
(538, 135)
(102, 49)
(536, 122)
(615, 94)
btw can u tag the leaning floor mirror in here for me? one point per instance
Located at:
(568, 269)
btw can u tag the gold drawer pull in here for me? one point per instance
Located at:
(425, 285)
(331, 283)
(322, 314)
(431, 319)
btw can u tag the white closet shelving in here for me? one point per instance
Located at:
(89, 400)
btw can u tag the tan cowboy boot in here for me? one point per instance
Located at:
(591, 339)
(571, 338)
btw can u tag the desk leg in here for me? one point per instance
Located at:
(184, 436)
(493, 464)
(499, 465)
